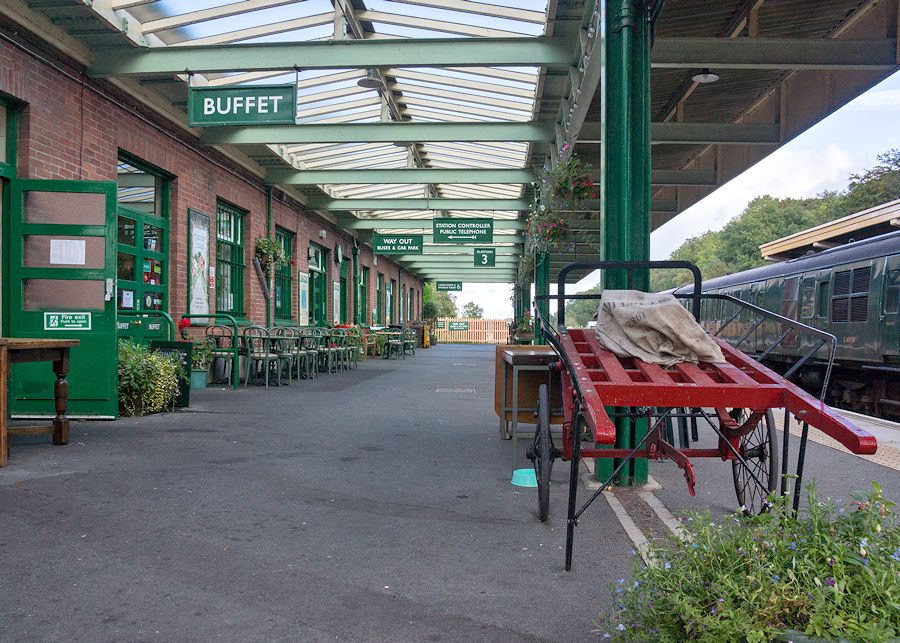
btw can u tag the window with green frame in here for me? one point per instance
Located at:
(284, 276)
(364, 296)
(229, 259)
(379, 300)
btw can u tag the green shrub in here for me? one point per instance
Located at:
(826, 572)
(148, 380)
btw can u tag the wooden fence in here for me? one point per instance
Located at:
(462, 330)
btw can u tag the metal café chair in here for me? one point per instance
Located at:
(222, 339)
(260, 354)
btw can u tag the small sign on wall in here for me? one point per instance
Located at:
(67, 321)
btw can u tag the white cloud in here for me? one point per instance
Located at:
(493, 298)
(876, 101)
(786, 173)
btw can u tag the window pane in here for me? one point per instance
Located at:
(152, 238)
(153, 272)
(64, 294)
(45, 251)
(125, 266)
(3, 115)
(78, 208)
(126, 231)
(892, 294)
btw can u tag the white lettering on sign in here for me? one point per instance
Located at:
(239, 104)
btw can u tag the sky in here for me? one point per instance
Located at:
(820, 159)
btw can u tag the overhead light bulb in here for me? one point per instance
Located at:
(705, 77)
(371, 81)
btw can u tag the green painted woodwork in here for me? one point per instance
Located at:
(397, 244)
(447, 286)
(345, 310)
(284, 276)
(333, 54)
(541, 287)
(318, 285)
(380, 133)
(83, 286)
(9, 126)
(398, 176)
(447, 230)
(142, 273)
(229, 259)
(354, 223)
(357, 282)
(244, 105)
(379, 300)
(326, 203)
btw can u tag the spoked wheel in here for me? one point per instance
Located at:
(759, 448)
(542, 453)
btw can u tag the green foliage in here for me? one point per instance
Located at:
(201, 353)
(580, 311)
(428, 292)
(472, 310)
(736, 246)
(446, 304)
(559, 193)
(825, 572)
(270, 251)
(148, 380)
(430, 310)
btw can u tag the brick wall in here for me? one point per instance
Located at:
(72, 127)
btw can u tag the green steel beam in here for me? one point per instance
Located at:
(398, 176)
(332, 54)
(352, 223)
(325, 203)
(498, 238)
(379, 133)
(452, 260)
(825, 54)
(674, 178)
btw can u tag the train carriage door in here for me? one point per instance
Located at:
(62, 286)
(890, 310)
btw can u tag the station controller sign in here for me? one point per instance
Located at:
(463, 230)
(249, 105)
(485, 257)
(447, 286)
(397, 244)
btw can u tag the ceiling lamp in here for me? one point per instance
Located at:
(371, 81)
(705, 77)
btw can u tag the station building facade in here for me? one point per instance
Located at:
(60, 126)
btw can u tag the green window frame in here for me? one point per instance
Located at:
(284, 276)
(892, 291)
(808, 298)
(379, 300)
(229, 259)
(8, 134)
(364, 295)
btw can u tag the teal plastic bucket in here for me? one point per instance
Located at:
(524, 478)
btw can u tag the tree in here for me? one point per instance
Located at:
(876, 186)
(446, 304)
(472, 310)
(580, 311)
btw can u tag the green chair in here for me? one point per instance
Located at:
(222, 340)
(260, 354)
(409, 340)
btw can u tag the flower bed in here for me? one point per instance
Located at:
(826, 573)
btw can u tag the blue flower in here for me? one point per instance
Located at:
(619, 590)
(792, 546)
(636, 585)
(896, 554)
(668, 565)
(713, 610)
(620, 627)
(864, 542)
(865, 561)
(621, 581)
(776, 578)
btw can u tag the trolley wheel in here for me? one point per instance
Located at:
(759, 448)
(542, 453)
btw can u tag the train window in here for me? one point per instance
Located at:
(808, 298)
(850, 298)
(892, 291)
(823, 299)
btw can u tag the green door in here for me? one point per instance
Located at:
(344, 307)
(62, 286)
(141, 273)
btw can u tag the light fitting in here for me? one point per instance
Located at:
(705, 77)
(371, 81)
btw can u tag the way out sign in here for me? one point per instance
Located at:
(255, 105)
(447, 286)
(485, 257)
(397, 244)
(463, 230)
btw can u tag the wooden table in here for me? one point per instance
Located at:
(19, 350)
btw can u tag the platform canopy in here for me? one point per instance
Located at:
(409, 110)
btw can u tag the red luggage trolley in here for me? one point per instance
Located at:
(734, 399)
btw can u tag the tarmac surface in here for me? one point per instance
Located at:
(363, 506)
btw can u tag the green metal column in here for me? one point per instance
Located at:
(272, 268)
(356, 286)
(626, 156)
(541, 287)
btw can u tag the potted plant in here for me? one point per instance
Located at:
(270, 252)
(201, 354)
(525, 329)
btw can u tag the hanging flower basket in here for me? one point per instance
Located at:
(270, 251)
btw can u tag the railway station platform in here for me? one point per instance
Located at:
(377, 507)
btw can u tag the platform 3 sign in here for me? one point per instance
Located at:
(485, 257)
(255, 105)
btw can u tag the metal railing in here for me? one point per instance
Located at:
(151, 313)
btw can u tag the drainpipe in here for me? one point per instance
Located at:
(271, 277)
(541, 287)
(356, 286)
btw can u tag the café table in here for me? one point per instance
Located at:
(20, 350)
